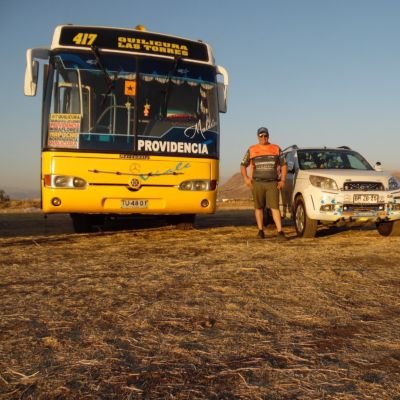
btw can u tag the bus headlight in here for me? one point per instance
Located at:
(64, 181)
(198, 185)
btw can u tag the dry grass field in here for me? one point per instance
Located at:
(152, 312)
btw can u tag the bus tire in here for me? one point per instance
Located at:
(84, 223)
(185, 221)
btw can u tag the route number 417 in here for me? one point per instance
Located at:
(84, 39)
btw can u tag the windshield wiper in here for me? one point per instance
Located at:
(169, 87)
(99, 63)
(110, 80)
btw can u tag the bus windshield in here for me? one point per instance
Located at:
(102, 101)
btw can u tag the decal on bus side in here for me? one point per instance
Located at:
(172, 147)
(170, 171)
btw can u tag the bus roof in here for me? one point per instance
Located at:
(135, 41)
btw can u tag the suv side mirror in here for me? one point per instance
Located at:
(378, 166)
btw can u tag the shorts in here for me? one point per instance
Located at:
(265, 194)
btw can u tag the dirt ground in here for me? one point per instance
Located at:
(142, 310)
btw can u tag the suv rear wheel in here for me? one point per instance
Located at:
(305, 227)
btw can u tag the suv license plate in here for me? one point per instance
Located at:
(138, 203)
(365, 198)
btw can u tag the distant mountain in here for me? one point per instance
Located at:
(21, 194)
(234, 188)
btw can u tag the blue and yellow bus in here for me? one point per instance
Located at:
(130, 123)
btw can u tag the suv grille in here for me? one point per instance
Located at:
(363, 186)
(362, 208)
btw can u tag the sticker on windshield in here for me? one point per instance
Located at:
(64, 130)
(130, 88)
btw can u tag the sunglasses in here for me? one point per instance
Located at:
(262, 135)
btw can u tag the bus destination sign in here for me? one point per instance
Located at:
(132, 40)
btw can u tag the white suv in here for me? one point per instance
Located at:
(338, 186)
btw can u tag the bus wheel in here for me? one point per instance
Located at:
(183, 221)
(84, 223)
(390, 228)
(186, 221)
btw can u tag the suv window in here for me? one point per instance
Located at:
(356, 162)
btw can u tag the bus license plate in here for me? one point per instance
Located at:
(365, 198)
(137, 203)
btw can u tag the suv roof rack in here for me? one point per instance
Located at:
(344, 147)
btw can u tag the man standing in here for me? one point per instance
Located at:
(267, 177)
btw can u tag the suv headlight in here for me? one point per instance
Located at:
(323, 182)
(394, 183)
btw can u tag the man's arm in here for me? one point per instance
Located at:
(247, 179)
(243, 169)
(282, 180)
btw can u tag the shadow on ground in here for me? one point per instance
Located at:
(37, 224)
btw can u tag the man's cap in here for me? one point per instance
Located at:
(262, 130)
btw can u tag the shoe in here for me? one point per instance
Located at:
(281, 236)
(260, 234)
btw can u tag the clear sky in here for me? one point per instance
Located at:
(315, 72)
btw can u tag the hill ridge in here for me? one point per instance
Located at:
(234, 188)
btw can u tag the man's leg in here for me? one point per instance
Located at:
(276, 216)
(273, 202)
(259, 205)
(259, 213)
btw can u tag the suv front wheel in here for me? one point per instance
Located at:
(389, 228)
(305, 227)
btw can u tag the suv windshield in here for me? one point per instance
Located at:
(101, 101)
(332, 159)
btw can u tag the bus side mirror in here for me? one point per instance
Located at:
(222, 88)
(31, 78)
(32, 69)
